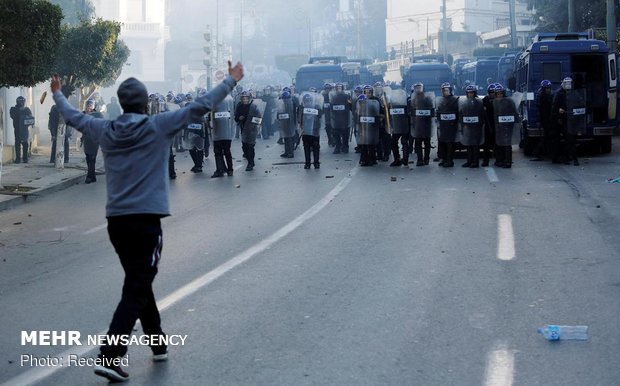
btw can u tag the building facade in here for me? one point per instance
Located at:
(418, 24)
(143, 31)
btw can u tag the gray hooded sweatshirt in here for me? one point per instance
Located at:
(135, 150)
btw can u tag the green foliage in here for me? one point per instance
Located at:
(552, 15)
(91, 54)
(75, 11)
(29, 36)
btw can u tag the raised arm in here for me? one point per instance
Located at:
(176, 120)
(74, 118)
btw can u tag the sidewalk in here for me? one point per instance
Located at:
(21, 183)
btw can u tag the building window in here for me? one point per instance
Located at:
(135, 10)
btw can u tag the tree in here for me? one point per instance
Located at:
(75, 11)
(552, 15)
(91, 55)
(29, 36)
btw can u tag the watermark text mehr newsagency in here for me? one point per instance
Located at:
(74, 338)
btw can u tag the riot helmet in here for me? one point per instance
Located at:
(285, 95)
(471, 89)
(491, 89)
(446, 89)
(339, 87)
(246, 97)
(90, 105)
(418, 87)
(499, 91)
(20, 101)
(368, 90)
(567, 83)
(327, 87)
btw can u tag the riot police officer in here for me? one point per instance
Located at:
(341, 119)
(369, 112)
(91, 146)
(471, 114)
(327, 88)
(398, 115)
(22, 120)
(506, 117)
(489, 126)
(222, 126)
(448, 118)
(287, 122)
(544, 101)
(570, 109)
(249, 117)
(310, 122)
(422, 113)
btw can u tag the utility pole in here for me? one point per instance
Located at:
(513, 24)
(241, 33)
(359, 43)
(444, 32)
(611, 25)
(572, 27)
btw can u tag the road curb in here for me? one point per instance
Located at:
(40, 192)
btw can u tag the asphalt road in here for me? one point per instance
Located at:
(336, 276)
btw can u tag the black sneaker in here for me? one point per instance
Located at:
(111, 372)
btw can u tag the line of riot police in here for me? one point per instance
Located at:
(384, 120)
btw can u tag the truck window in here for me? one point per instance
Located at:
(552, 72)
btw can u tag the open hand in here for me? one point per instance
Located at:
(55, 83)
(235, 72)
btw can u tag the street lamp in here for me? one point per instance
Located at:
(208, 54)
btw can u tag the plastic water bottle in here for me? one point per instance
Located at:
(555, 332)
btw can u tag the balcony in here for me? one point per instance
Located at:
(137, 29)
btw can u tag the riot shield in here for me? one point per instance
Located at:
(311, 104)
(223, 123)
(397, 111)
(576, 111)
(253, 121)
(471, 113)
(193, 135)
(422, 111)
(286, 117)
(506, 117)
(447, 117)
(341, 110)
(367, 111)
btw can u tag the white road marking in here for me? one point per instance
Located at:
(491, 174)
(505, 238)
(95, 229)
(37, 374)
(500, 367)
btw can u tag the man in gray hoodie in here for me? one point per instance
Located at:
(135, 150)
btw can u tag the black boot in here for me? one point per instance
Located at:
(18, 152)
(449, 153)
(307, 153)
(90, 166)
(172, 174)
(508, 157)
(220, 167)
